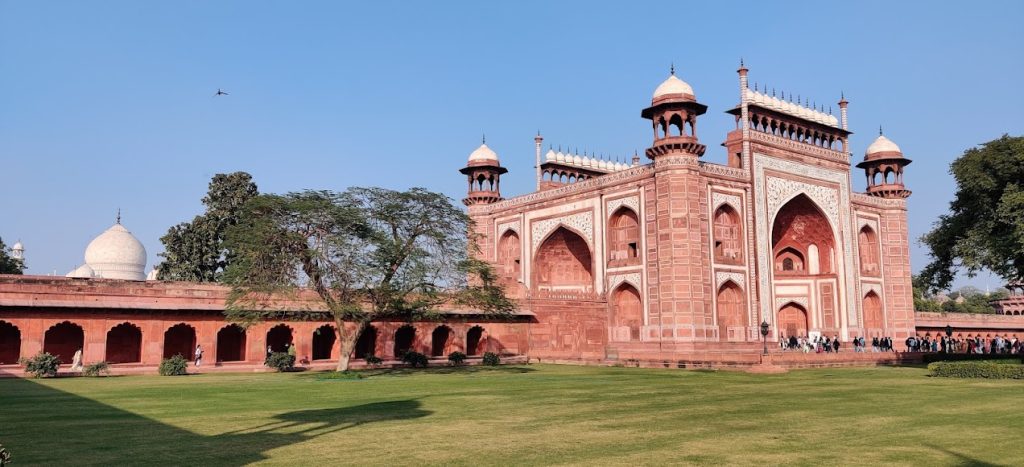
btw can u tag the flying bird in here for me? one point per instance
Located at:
(220, 92)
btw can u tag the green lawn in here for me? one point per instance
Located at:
(539, 414)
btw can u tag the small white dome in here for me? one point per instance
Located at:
(577, 160)
(152, 276)
(483, 154)
(81, 272)
(882, 144)
(673, 85)
(18, 246)
(833, 120)
(117, 254)
(560, 157)
(550, 156)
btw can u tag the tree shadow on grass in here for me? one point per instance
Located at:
(406, 371)
(961, 459)
(46, 426)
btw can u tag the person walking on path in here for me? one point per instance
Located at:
(199, 354)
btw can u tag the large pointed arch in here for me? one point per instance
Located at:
(800, 224)
(563, 262)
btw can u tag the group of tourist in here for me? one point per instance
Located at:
(972, 344)
(805, 344)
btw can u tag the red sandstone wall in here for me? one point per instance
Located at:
(895, 252)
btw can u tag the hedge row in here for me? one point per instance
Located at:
(977, 370)
(950, 357)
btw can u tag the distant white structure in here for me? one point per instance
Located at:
(18, 250)
(114, 254)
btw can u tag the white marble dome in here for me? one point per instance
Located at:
(882, 144)
(673, 85)
(483, 154)
(117, 254)
(82, 272)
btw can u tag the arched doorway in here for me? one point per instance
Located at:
(873, 319)
(367, 343)
(180, 339)
(731, 311)
(473, 340)
(63, 340)
(867, 247)
(627, 313)
(727, 236)
(324, 338)
(279, 338)
(440, 339)
(124, 344)
(799, 229)
(564, 263)
(404, 338)
(509, 255)
(10, 343)
(793, 320)
(623, 238)
(231, 344)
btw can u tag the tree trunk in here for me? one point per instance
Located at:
(347, 342)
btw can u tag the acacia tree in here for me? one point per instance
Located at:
(194, 251)
(367, 254)
(985, 226)
(8, 263)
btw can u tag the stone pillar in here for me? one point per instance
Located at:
(678, 265)
(898, 303)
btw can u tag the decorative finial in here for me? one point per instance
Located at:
(741, 62)
(755, 86)
(773, 92)
(830, 110)
(483, 139)
(879, 130)
(672, 68)
(118, 215)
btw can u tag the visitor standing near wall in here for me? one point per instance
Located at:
(199, 354)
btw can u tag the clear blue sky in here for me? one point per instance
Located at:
(107, 105)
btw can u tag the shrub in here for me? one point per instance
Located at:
(414, 359)
(949, 357)
(373, 360)
(281, 361)
(174, 366)
(456, 358)
(96, 369)
(5, 456)
(491, 358)
(976, 370)
(43, 365)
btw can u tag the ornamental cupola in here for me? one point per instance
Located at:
(483, 171)
(883, 165)
(673, 114)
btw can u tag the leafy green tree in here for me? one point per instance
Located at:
(8, 263)
(985, 226)
(194, 251)
(365, 255)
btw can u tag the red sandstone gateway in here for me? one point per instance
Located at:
(676, 262)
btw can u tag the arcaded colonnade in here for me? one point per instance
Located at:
(93, 315)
